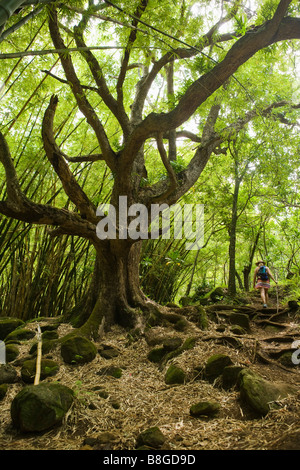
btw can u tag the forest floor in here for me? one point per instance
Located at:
(140, 398)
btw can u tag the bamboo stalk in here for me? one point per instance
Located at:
(39, 357)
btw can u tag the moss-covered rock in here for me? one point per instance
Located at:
(172, 343)
(3, 390)
(240, 319)
(112, 371)
(12, 352)
(204, 408)
(37, 408)
(286, 359)
(230, 376)
(20, 334)
(260, 394)
(48, 369)
(49, 335)
(77, 350)
(215, 365)
(108, 352)
(8, 374)
(7, 325)
(174, 375)
(152, 437)
(238, 330)
(47, 346)
(156, 355)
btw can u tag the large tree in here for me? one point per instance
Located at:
(115, 293)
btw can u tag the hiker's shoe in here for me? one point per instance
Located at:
(265, 306)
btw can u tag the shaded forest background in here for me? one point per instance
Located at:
(249, 187)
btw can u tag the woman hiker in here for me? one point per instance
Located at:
(261, 281)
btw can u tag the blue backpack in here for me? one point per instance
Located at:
(262, 273)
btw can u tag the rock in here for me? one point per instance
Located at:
(49, 335)
(3, 390)
(103, 441)
(78, 350)
(47, 346)
(112, 371)
(48, 369)
(240, 319)
(39, 407)
(20, 334)
(238, 330)
(108, 352)
(204, 408)
(260, 394)
(12, 352)
(7, 325)
(230, 376)
(152, 437)
(172, 343)
(174, 375)
(181, 324)
(286, 359)
(156, 355)
(8, 374)
(215, 365)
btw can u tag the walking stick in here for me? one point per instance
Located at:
(39, 357)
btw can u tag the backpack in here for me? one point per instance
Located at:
(262, 273)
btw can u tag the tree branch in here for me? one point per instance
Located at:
(19, 207)
(117, 108)
(70, 185)
(206, 85)
(132, 37)
(83, 103)
(168, 167)
(188, 177)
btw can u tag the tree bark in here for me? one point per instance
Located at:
(115, 291)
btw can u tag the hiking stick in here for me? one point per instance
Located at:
(39, 357)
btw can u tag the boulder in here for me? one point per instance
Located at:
(7, 325)
(108, 352)
(111, 371)
(174, 375)
(12, 352)
(215, 365)
(48, 369)
(240, 319)
(20, 334)
(260, 394)
(3, 390)
(230, 376)
(37, 408)
(156, 354)
(204, 408)
(49, 335)
(152, 437)
(8, 374)
(77, 350)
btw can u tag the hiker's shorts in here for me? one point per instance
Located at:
(262, 284)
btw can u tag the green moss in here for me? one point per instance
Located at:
(204, 408)
(174, 375)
